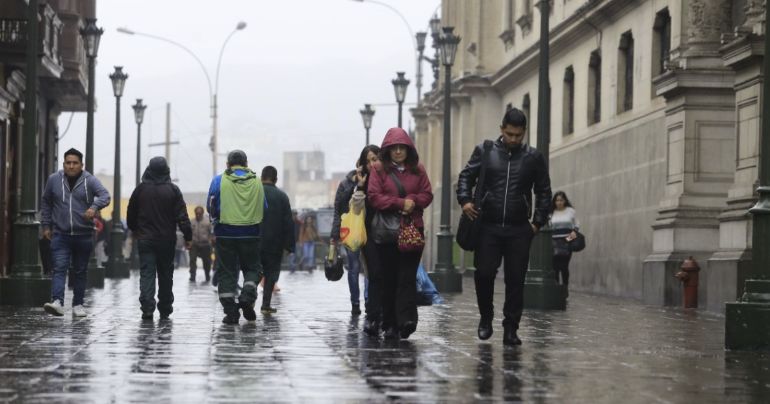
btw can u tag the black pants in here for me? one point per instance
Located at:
(271, 270)
(204, 252)
(561, 266)
(399, 293)
(509, 244)
(156, 257)
(376, 281)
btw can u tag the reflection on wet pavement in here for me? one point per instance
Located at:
(599, 350)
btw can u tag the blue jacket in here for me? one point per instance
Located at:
(63, 208)
(221, 229)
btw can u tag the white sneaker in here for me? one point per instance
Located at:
(79, 311)
(54, 308)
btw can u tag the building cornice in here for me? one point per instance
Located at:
(674, 82)
(743, 50)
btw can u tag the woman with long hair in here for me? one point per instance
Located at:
(308, 235)
(354, 183)
(399, 185)
(565, 226)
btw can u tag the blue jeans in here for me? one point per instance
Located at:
(308, 255)
(354, 269)
(69, 250)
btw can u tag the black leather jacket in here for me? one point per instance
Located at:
(511, 177)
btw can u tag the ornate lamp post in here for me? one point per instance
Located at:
(139, 118)
(747, 321)
(400, 84)
(367, 114)
(445, 274)
(117, 267)
(435, 33)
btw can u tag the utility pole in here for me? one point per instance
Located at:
(168, 143)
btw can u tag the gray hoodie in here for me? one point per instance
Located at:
(63, 208)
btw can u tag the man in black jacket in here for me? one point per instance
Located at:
(155, 210)
(277, 234)
(514, 170)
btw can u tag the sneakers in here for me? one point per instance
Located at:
(268, 310)
(248, 311)
(55, 308)
(356, 310)
(79, 311)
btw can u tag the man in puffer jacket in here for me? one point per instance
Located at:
(155, 210)
(70, 201)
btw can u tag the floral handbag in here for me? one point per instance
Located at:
(410, 238)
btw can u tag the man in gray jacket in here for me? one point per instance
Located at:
(71, 199)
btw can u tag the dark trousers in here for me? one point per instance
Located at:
(399, 293)
(156, 257)
(376, 281)
(561, 266)
(511, 245)
(271, 270)
(232, 254)
(69, 250)
(204, 252)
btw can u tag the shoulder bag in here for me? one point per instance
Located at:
(386, 224)
(468, 230)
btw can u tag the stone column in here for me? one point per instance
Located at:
(700, 124)
(731, 264)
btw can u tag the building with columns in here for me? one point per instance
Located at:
(655, 121)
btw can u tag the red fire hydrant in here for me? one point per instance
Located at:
(688, 275)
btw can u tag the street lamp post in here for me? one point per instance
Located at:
(26, 286)
(213, 90)
(541, 291)
(138, 118)
(747, 321)
(117, 267)
(367, 114)
(445, 275)
(435, 32)
(400, 84)
(92, 35)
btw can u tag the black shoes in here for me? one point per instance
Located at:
(356, 310)
(510, 338)
(147, 315)
(391, 334)
(164, 316)
(485, 329)
(372, 327)
(268, 310)
(231, 319)
(407, 329)
(248, 311)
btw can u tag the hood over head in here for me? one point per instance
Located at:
(397, 136)
(157, 171)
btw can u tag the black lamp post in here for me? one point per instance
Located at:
(747, 321)
(91, 37)
(139, 118)
(400, 84)
(367, 114)
(117, 266)
(435, 33)
(445, 275)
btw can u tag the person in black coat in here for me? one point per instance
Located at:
(155, 210)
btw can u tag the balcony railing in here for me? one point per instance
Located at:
(14, 34)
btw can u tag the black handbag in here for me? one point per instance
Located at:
(578, 243)
(387, 224)
(468, 231)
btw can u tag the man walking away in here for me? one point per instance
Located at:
(236, 203)
(513, 171)
(70, 201)
(201, 244)
(277, 234)
(155, 210)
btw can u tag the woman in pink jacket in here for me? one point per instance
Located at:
(399, 159)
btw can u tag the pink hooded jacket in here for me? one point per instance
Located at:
(383, 193)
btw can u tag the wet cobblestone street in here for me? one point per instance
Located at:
(600, 350)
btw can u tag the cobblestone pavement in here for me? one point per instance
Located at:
(599, 350)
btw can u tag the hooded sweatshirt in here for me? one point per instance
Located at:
(236, 203)
(63, 206)
(156, 207)
(383, 193)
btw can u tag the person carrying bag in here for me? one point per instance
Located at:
(468, 229)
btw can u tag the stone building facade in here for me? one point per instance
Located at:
(655, 121)
(63, 75)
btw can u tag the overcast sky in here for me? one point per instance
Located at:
(293, 80)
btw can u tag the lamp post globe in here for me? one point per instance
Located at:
(139, 108)
(117, 266)
(367, 114)
(448, 46)
(400, 84)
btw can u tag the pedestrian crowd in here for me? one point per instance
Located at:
(377, 230)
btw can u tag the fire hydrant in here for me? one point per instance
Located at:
(688, 275)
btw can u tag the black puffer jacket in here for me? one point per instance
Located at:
(156, 207)
(511, 178)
